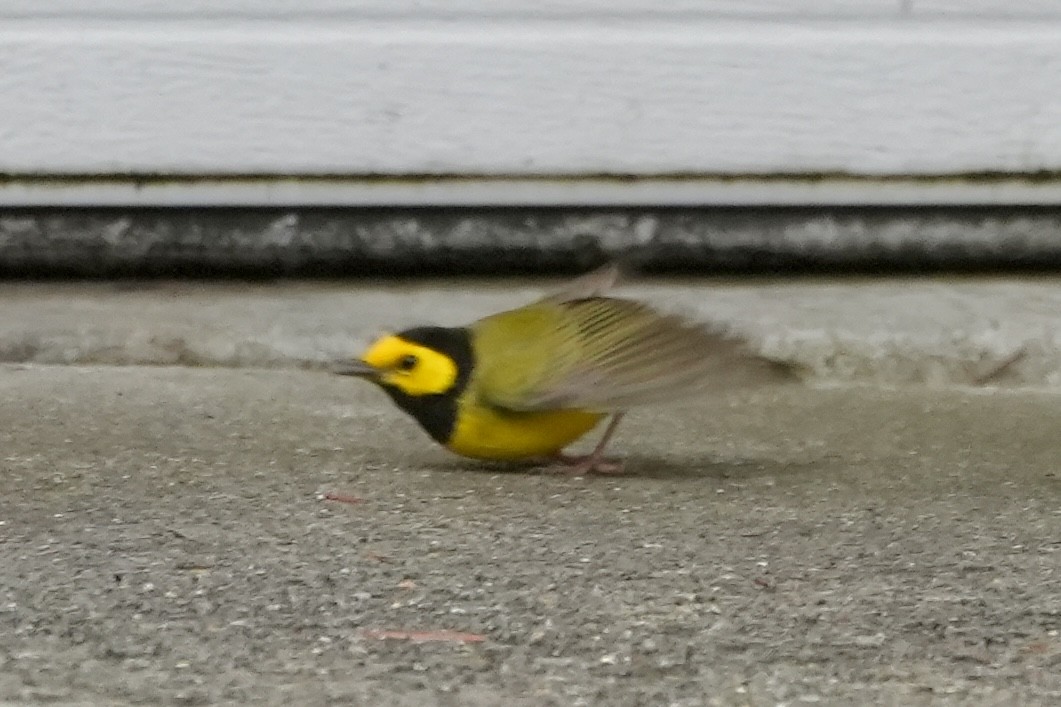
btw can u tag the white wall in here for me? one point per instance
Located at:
(530, 87)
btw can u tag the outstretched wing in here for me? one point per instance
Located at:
(601, 353)
(596, 283)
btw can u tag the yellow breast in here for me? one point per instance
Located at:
(487, 433)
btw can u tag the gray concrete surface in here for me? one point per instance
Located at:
(315, 241)
(942, 331)
(888, 533)
(164, 540)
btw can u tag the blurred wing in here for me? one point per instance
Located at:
(593, 284)
(611, 354)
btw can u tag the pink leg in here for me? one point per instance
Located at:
(594, 462)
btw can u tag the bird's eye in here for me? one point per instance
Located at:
(407, 363)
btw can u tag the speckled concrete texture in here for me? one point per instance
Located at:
(97, 242)
(193, 512)
(164, 539)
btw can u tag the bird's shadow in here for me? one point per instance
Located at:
(647, 466)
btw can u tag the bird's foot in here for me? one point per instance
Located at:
(583, 464)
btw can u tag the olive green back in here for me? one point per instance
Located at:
(603, 353)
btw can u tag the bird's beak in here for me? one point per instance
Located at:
(355, 368)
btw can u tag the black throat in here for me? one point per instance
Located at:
(437, 414)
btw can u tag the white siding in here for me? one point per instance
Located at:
(471, 10)
(985, 9)
(476, 9)
(521, 88)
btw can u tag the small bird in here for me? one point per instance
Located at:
(526, 383)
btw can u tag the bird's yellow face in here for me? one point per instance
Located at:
(412, 368)
(423, 370)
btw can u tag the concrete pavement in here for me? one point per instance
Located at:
(165, 536)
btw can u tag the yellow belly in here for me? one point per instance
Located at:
(485, 433)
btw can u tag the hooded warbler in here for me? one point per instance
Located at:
(526, 383)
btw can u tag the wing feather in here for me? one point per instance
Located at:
(609, 354)
(596, 283)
